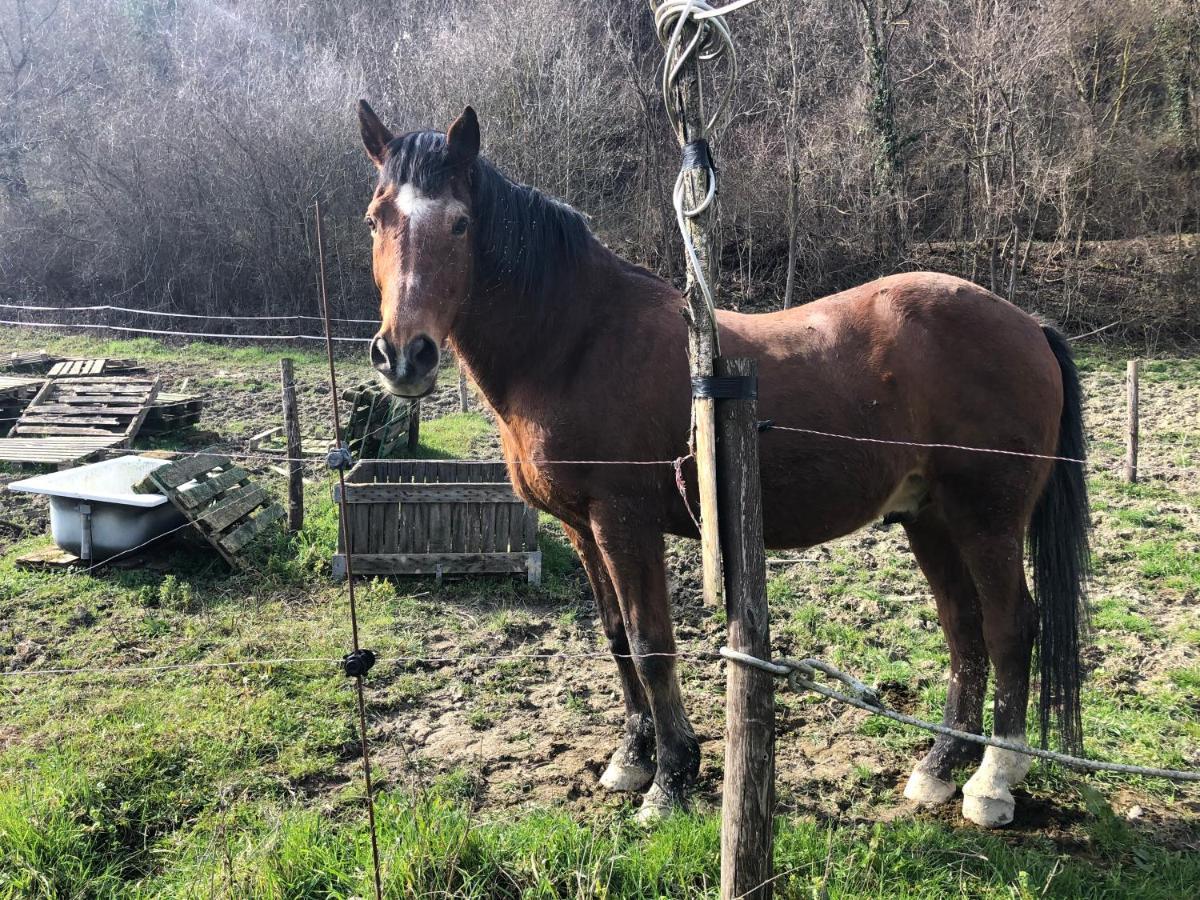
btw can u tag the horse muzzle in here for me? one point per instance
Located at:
(410, 372)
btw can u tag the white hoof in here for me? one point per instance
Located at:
(987, 798)
(990, 812)
(656, 806)
(622, 776)
(928, 789)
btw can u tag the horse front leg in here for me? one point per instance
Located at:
(634, 558)
(632, 765)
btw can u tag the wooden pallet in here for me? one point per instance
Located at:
(35, 362)
(15, 393)
(172, 412)
(53, 451)
(436, 518)
(104, 406)
(83, 368)
(379, 425)
(219, 499)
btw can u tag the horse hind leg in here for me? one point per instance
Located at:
(932, 781)
(1009, 630)
(631, 767)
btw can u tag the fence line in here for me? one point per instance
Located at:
(178, 315)
(191, 334)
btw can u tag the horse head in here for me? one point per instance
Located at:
(421, 228)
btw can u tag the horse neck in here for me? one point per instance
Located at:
(515, 346)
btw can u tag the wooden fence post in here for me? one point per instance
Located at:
(703, 342)
(748, 800)
(1131, 419)
(726, 454)
(291, 426)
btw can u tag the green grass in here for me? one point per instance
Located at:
(67, 830)
(456, 436)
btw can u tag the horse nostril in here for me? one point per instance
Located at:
(422, 352)
(382, 356)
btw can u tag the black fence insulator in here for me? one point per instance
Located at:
(358, 663)
(725, 387)
(765, 425)
(339, 458)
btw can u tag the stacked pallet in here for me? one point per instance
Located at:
(82, 368)
(172, 412)
(15, 393)
(33, 362)
(379, 425)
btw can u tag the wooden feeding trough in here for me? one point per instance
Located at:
(415, 517)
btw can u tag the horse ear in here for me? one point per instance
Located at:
(375, 134)
(462, 140)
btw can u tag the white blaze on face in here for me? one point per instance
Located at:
(415, 205)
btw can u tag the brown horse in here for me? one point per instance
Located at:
(582, 356)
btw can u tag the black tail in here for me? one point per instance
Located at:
(1058, 547)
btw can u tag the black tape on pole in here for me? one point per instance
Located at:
(698, 155)
(726, 387)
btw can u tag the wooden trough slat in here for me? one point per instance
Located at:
(443, 492)
(219, 499)
(443, 563)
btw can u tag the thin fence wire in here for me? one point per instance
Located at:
(185, 334)
(177, 315)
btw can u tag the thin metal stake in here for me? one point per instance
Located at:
(358, 679)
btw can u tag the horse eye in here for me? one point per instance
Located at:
(370, 220)
(460, 225)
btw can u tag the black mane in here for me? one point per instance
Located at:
(524, 238)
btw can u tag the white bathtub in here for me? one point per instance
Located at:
(94, 512)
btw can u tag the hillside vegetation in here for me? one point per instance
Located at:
(166, 153)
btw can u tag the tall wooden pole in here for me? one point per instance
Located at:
(748, 801)
(1131, 419)
(703, 343)
(291, 426)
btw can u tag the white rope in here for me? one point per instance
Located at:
(175, 315)
(189, 334)
(802, 673)
(710, 41)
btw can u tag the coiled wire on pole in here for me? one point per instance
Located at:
(707, 39)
